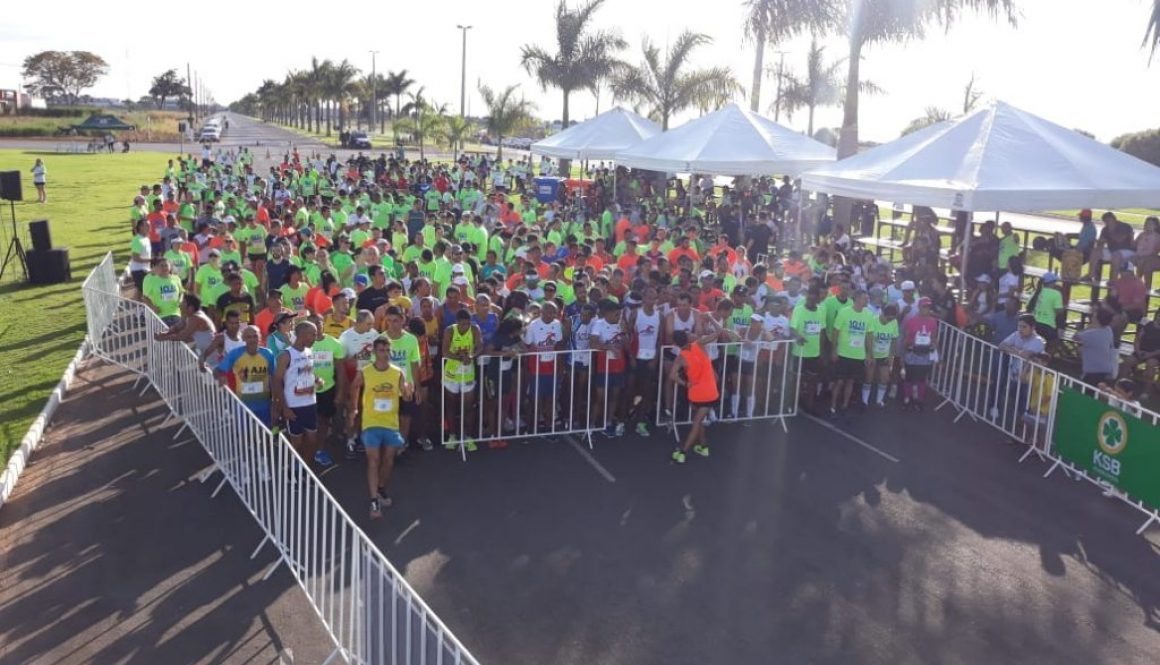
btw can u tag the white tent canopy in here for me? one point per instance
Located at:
(997, 158)
(601, 137)
(729, 142)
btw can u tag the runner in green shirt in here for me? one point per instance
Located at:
(328, 354)
(807, 323)
(885, 334)
(850, 336)
(162, 290)
(209, 275)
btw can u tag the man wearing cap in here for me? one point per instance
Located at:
(1047, 304)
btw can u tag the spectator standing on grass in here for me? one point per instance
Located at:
(39, 180)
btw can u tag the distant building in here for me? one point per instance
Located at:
(14, 100)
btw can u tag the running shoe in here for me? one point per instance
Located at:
(642, 430)
(470, 446)
(678, 457)
(351, 448)
(994, 413)
(619, 429)
(322, 459)
(452, 443)
(703, 451)
(425, 443)
(385, 499)
(376, 510)
(609, 431)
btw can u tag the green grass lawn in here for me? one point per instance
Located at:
(41, 327)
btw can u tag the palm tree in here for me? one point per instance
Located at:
(340, 87)
(1152, 34)
(821, 85)
(582, 57)
(505, 113)
(426, 123)
(456, 129)
(415, 102)
(398, 84)
(971, 95)
(866, 22)
(317, 84)
(931, 115)
(663, 84)
(773, 20)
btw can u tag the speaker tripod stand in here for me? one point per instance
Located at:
(15, 247)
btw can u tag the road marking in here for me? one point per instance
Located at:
(844, 433)
(591, 460)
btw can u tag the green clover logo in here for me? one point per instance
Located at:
(1113, 433)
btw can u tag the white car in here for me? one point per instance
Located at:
(210, 134)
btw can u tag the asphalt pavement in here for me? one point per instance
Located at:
(884, 538)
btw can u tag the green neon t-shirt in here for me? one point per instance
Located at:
(810, 326)
(885, 334)
(164, 293)
(852, 327)
(405, 351)
(327, 351)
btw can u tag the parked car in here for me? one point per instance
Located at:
(358, 141)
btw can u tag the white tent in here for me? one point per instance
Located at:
(730, 142)
(998, 158)
(601, 137)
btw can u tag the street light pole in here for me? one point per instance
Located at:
(463, 73)
(780, 78)
(374, 97)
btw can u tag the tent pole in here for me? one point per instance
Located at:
(970, 231)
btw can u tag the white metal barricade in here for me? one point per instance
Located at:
(1017, 396)
(369, 610)
(520, 396)
(755, 381)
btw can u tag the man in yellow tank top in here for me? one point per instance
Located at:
(376, 392)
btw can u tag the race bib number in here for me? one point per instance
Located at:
(253, 387)
(813, 328)
(922, 339)
(857, 341)
(384, 405)
(647, 353)
(169, 296)
(323, 357)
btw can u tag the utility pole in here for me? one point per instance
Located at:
(374, 96)
(463, 73)
(189, 97)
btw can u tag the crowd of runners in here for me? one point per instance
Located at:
(378, 305)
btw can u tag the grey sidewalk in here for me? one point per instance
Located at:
(111, 551)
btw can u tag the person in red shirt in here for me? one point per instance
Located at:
(710, 294)
(683, 250)
(627, 261)
(623, 226)
(722, 247)
(598, 252)
(156, 219)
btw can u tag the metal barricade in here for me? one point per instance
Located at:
(513, 396)
(369, 610)
(755, 380)
(1019, 397)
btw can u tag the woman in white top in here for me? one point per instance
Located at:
(39, 179)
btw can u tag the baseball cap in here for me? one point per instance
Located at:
(706, 274)
(1050, 278)
(984, 278)
(756, 317)
(214, 252)
(349, 294)
(457, 269)
(361, 280)
(459, 280)
(908, 285)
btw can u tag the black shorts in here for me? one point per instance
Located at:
(409, 408)
(850, 368)
(915, 373)
(644, 368)
(812, 365)
(703, 405)
(326, 403)
(1048, 333)
(139, 279)
(747, 367)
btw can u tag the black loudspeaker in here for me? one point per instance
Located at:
(10, 186)
(49, 267)
(41, 235)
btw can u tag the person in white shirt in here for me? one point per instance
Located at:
(545, 335)
(358, 342)
(644, 323)
(39, 178)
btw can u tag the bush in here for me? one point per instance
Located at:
(57, 112)
(1142, 145)
(23, 132)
